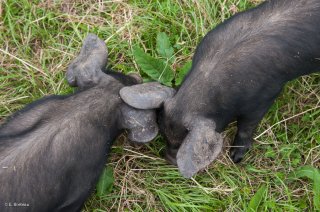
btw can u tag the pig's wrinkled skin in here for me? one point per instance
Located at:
(238, 70)
(53, 151)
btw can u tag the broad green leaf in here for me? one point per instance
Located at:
(314, 175)
(182, 72)
(154, 68)
(105, 183)
(164, 47)
(257, 198)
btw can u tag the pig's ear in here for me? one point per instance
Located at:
(146, 96)
(201, 146)
(86, 69)
(141, 125)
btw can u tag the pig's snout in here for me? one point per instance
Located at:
(171, 155)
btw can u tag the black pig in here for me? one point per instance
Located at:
(53, 151)
(238, 70)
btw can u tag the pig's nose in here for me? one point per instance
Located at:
(171, 156)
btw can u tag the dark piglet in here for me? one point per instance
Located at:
(238, 70)
(53, 151)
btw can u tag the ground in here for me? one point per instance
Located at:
(38, 39)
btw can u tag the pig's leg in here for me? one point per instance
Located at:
(246, 126)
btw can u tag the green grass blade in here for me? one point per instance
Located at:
(257, 198)
(314, 175)
(182, 72)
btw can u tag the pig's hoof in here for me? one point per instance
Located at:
(237, 154)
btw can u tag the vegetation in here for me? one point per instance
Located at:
(39, 38)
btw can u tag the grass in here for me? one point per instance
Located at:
(39, 38)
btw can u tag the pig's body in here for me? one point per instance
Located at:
(53, 151)
(238, 69)
(37, 145)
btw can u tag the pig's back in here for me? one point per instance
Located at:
(59, 155)
(247, 59)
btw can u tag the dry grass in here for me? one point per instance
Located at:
(38, 40)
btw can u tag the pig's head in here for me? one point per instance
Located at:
(192, 141)
(88, 70)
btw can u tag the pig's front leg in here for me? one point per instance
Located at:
(246, 126)
(86, 70)
(243, 139)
